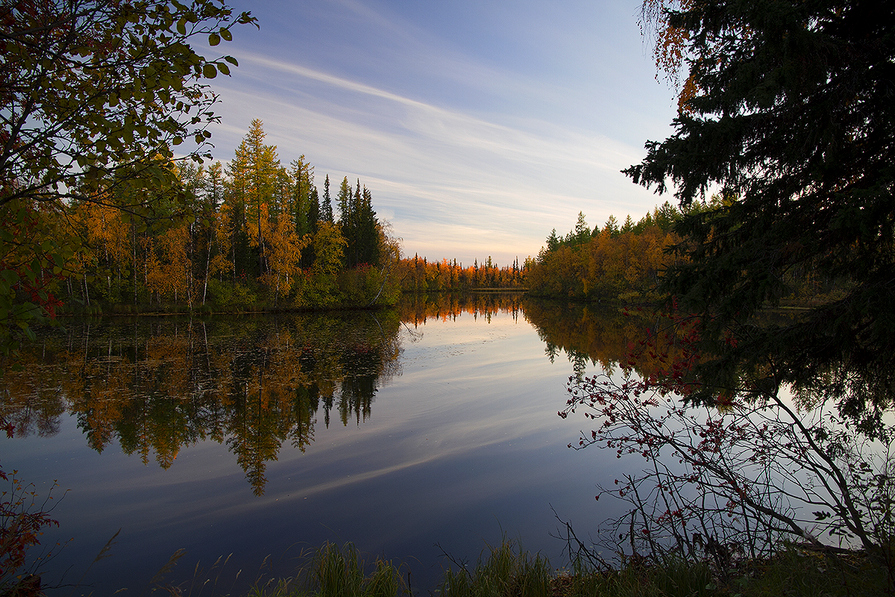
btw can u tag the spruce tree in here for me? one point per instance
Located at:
(788, 117)
(326, 210)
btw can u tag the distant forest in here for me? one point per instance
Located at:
(613, 263)
(625, 263)
(258, 235)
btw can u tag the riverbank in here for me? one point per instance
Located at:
(506, 570)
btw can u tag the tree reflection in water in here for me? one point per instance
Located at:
(253, 382)
(155, 386)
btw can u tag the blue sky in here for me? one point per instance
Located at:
(478, 126)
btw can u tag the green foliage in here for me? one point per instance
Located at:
(33, 252)
(95, 95)
(507, 571)
(98, 90)
(231, 295)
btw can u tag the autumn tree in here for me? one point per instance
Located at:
(95, 93)
(256, 178)
(284, 257)
(328, 247)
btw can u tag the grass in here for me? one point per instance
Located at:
(337, 571)
(506, 570)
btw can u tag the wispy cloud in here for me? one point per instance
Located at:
(456, 176)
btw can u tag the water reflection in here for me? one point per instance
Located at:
(433, 423)
(155, 386)
(603, 337)
(416, 309)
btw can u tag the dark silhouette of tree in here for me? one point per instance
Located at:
(787, 115)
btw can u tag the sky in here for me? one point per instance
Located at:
(478, 125)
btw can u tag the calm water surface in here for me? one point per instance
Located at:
(411, 434)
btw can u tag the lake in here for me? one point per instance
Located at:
(416, 434)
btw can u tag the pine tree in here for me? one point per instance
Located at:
(360, 227)
(368, 231)
(788, 113)
(326, 210)
(344, 200)
(304, 203)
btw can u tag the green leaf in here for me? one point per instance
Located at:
(225, 70)
(225, 33)
(209, 71)
(181, 26)
(214, 39)
(9, 276)
(231, 60)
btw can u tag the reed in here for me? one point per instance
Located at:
(506, 570)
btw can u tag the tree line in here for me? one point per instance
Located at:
(253, 232)
(626, 263)
(419, 275)
(612, 263)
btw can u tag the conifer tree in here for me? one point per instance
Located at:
(344, 200)
(787, 113)
(304, 203)
(326, 209)
(255, 178)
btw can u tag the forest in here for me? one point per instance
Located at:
(625, 264)
(258, 235)
(254, 234)
(609, 264)
(419, 275)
